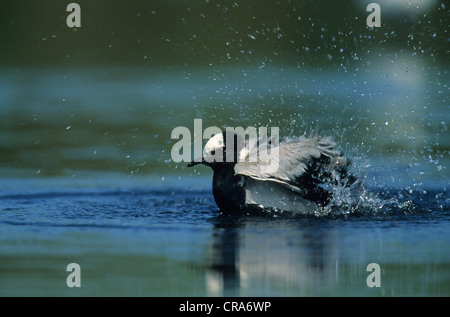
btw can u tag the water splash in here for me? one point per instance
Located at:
(386, 202)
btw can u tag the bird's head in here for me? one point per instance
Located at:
(221, 150)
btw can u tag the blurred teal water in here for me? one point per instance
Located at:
(57, 122)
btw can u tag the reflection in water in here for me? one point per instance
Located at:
(251, 257)
(223, 276)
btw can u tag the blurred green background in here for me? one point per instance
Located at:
(205, 33)
(106, 96)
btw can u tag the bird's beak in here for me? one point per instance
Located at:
(199, 160)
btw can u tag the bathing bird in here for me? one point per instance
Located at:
(295, 175)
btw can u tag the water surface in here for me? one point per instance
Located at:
(136, 240)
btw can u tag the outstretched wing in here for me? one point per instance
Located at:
(302, 164)
(295, 157)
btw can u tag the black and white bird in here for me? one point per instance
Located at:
(306, 168)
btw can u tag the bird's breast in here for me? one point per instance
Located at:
(228, 191)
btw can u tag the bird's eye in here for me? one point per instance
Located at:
(213, 152)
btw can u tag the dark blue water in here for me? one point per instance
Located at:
(136, 240)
